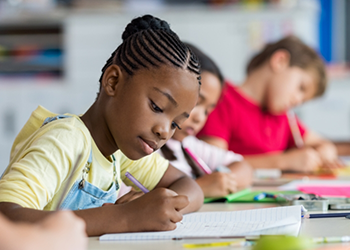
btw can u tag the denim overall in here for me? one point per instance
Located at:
(83, 194)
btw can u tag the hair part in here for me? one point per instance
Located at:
(149, 42)
(301, 56)
(207, 64)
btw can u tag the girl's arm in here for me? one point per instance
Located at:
(179, 182)
(157, 210)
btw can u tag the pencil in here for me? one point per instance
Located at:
(136, 182)
(328, 215)
(199, 161)
(292, 120)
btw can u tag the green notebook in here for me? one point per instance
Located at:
(247, 195)
(230, 197)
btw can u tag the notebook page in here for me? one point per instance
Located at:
(217, 224)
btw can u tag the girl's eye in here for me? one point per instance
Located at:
(174, 125)
(302, 88)
(156, 108)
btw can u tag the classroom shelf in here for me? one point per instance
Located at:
(31, 50)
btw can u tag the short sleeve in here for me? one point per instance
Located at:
(149, 170)
(33, 180)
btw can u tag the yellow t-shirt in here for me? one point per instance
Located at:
(43, 157)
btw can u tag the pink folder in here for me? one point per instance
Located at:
(336, 191)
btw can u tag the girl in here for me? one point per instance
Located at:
(148, 88)
(252, 119)
(218, 183)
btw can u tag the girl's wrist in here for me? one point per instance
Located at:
(117, 219)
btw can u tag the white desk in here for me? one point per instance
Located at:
(309, 227)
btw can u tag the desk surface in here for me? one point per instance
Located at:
(309, 227)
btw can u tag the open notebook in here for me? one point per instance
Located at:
(277, 220)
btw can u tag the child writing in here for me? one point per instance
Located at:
(62, 230)
(217, 183)
(251, 119)
(148, 88)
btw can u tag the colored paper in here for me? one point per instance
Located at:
(336, 191)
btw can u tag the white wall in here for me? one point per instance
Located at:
(230, 36)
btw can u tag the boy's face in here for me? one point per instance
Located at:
(289, 88)
(148, 108)
(208, 97)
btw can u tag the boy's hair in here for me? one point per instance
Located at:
(207, 64)
(301, 56)
(149, 42)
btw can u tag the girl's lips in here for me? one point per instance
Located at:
(189, 131)
(147, 146)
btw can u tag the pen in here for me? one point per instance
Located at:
(292, 120)
(328, 215)
(198, 161)
(136, 182)
(274, 196)
(259, 196)
(63, 194)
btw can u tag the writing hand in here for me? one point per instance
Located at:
(218, 184)
(157, 210)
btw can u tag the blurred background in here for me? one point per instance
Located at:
(52, 51)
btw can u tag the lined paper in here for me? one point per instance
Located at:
(278, 220)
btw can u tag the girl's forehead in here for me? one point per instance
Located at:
(179, 83)
(169, 75)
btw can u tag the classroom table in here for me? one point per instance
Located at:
(309, 227)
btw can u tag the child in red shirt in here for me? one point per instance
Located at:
(251, 119)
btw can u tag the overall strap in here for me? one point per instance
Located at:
(53, 118)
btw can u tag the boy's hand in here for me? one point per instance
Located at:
(329, 155)
(305, 160)
(218, 184)
(157, 210)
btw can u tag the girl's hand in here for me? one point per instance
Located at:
(304, 160)
(244, 173)
(218, 184)
(132, 195)
(157, 210)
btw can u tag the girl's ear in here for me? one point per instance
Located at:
(279, 60)
(110, 79)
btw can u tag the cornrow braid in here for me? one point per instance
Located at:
(149, 42)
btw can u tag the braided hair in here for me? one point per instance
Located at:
(149, 42)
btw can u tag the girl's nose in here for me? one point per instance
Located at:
(161, 131)
(198, 115)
